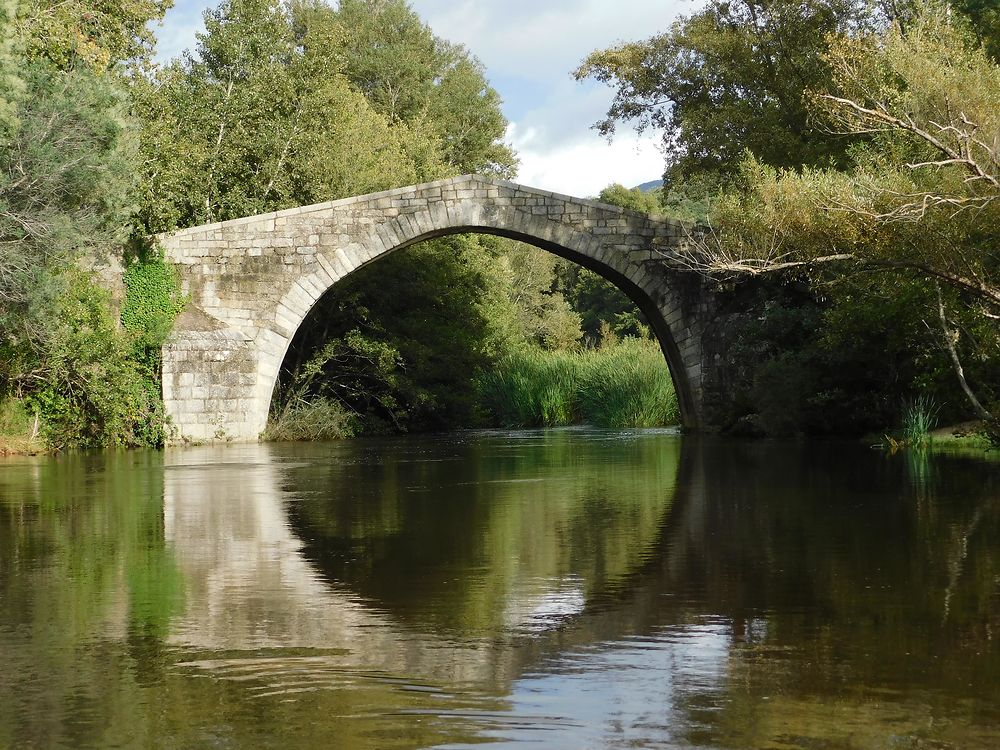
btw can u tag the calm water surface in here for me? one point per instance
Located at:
(570, 588)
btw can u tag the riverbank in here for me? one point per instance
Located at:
(19, 431)
(20, 446)
(551, 401)
(963, 435)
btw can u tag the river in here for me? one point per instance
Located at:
(569, 588)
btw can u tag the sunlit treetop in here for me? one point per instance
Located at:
(98, 34)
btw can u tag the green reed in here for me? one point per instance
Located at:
(919, 418)
(625, 385)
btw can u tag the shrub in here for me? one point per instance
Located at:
(93, 392)
(991, 430)
(18, 427)
(316, 419)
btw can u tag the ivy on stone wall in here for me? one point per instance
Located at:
(152, 300)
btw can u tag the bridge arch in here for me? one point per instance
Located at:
(252, 282)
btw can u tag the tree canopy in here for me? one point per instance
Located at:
(726, 79)
(820, 140)
(924, 195)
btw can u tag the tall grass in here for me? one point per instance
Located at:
(18, 428)
(624, 385)
(315, 419)
(919, 418)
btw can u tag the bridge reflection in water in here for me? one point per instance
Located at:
(458, 565)
(361, 573)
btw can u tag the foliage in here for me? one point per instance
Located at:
(89, 389)
(542, 316)
(601, 306)
(984, 20)
(689, 198)
(622, 385)
(729, 78)
(820, 138)
(10, 79)
(918, 200)
(924, 91)
(633, 199)
(152, 301)
(923, 197)
(18, 428)
(919, 418)
(291, 105)
(314, 419)
(15, 417)
(410, 75)
(98, 35)
(991, 431)
(259, 119)
(65, 190)
(840, 356)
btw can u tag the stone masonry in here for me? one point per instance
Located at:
(252, 281)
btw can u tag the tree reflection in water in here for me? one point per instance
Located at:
(577, 587)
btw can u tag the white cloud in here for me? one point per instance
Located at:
(586, 166)
(177, 31)
(530, 48)
(545, 39)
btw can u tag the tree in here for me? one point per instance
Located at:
(542, 316)
(412, 76)
(65, 178)
(261, 118)
(922, 198)
(10, 80)
(68, 161)
(99, 35)
(727, 79)
(984, 16)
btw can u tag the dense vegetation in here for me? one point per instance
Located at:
(70, 372)
(843, 153)
(621, 384)
(845, 156)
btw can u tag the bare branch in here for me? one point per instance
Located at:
(950, 339)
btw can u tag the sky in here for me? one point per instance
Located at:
(529, 49)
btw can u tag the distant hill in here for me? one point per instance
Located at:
(648, 186)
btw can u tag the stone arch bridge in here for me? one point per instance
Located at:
(252, 281)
